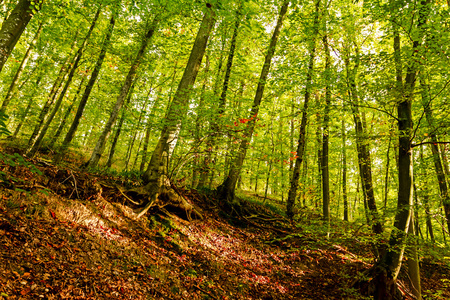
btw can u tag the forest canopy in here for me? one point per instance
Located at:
(340, 106)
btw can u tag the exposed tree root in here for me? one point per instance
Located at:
(376, 282)
(162, 197)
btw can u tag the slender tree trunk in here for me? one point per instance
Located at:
(438, 166)
(12, 87)
(156, 177)
(28, 108)
(344, 171)
(136, 131)
(362, 145)
(227, 189)
(112, 150)
(386, 176)
(413, 260)
(76, 121)
(425, 196)
(301, 140)
(13, 27)
(147, 134)
(66, 115)
(198, 125)
(32, 151)
(325, 135)
(101, 143)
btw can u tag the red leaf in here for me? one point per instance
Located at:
(52, 213)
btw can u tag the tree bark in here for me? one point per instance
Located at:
(12, 87)
(101, 143)
(13, 27)
(302, 136)
(226, 190)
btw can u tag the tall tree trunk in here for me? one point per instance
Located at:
(362, 146)
(101, 143)
(32, 151)
(302, 136)
(13, 27)
(227, 189)
(198, 125)
(390, 264)
(156, 177)
(76, 121)
(212, 140)
(12, 87)
(425, 196)
(325, 135)
(344, 170)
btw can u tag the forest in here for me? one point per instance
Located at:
(241, 149)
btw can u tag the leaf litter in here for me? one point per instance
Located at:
(62, 242)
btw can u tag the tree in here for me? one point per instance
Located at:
(101, 143)
(156, 177)
(19, 72)
(226, 190)
(302, 134)
(14, 25)
(76, 121)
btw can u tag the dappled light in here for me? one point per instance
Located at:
(236, 149)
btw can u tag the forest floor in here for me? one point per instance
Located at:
(67, 234)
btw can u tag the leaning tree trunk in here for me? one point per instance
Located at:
(13, 27)
(62, 124)
(101, 143)
(76, 121)
(302, 135)
(12, 87)
(37, 143)
(65, 67)
(227, 189)
(156, 177)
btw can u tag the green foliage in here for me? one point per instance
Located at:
(3, 128)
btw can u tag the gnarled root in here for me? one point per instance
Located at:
(165, 196)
